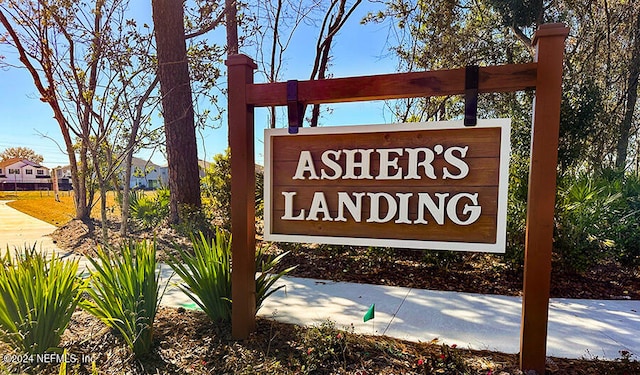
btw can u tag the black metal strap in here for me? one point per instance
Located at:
(295, 108)
(471, 79)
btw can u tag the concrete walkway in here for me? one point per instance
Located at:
(18, 229)
(577, 328)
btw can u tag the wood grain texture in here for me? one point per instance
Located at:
(241, 135)
(502, 78)
(483, 231)
(549, 41)
(482, 158)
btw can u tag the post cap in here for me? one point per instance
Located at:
(550, 29)
(240, 59)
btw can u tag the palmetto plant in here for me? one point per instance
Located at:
(38, 299)
(149, 211)
(206, 273)
(125, 292)
(584, 209)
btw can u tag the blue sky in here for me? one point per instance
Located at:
(358, 50)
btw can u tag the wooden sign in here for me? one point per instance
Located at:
(436, 185)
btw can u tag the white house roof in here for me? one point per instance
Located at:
(142, 163)
(22, 162)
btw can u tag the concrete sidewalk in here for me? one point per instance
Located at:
(577, 328)
(18, 229)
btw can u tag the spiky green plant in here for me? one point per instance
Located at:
(584, 209)
(39, 296)
(266, 264)
(125, 292)
(206, 273)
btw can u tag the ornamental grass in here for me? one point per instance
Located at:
(39, 295)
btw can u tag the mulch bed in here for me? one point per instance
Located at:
(463, 272)
(186, 342)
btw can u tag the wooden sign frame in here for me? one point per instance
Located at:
(487, 176)
(544, 75)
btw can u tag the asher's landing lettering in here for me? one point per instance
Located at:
(411, 208)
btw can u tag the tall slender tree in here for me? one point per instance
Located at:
(603, 56)
(633, 74)
(177, 106)
(60, 43)
(336, 16)
(278, 23)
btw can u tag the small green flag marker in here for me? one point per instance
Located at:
(191, 306)
(371, 313)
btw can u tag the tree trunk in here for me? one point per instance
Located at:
(632, 97)
(175, 87)
(231, 15)
(131, 142)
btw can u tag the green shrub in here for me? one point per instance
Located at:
(216, 189)
(597, 217)
(206, 273)
(149, 211)
(625, 227)
(194, 220)
(125, 292)
(323, 346)
(449, 361)
(517, 210)
(584, 210)
(38, 299)
(441, 258)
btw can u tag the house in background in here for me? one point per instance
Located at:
(203, 167)
(23, 174)
(64, 177)
(144, 174)
(147, 175)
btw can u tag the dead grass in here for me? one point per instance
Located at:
(42, 205)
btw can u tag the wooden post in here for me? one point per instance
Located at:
(241, 138)
(549, 43)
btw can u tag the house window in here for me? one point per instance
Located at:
(40, 172)
(29, 171)
(14, 171)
